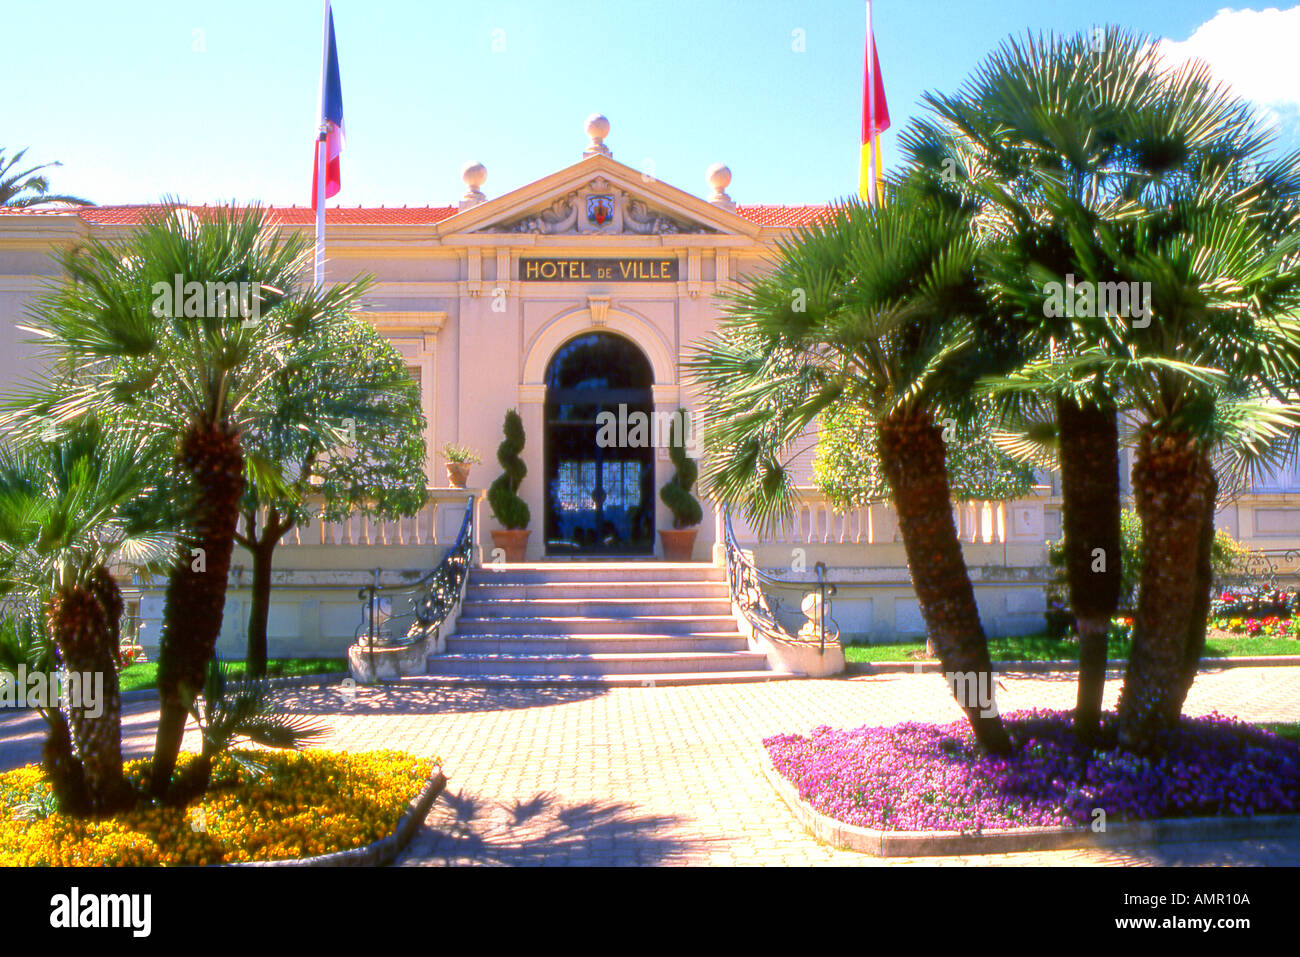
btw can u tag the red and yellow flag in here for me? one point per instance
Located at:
(875, 120)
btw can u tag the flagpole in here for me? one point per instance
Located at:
(322, 152)
(871, 108)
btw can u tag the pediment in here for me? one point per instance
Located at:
(600, 208)
(597, 197)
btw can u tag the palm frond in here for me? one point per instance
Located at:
(230, 709)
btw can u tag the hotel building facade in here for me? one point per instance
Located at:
(587, 286)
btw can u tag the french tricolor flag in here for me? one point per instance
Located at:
(331, 121)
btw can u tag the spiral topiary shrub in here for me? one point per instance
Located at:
(676, 492)
(503, 494)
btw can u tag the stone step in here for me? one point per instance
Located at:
(622, 663)
(492, 591)
(647, 680)
(595, 607)
(545, 572)
(581, 625)
(592, 644)
(596, 624)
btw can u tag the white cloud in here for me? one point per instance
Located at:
(1253, 51)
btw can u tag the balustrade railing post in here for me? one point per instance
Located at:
(821, 607)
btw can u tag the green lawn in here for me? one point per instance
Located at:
(145, 675)
(1042, 648)
(1283, 729)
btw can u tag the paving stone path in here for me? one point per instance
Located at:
(671, 775)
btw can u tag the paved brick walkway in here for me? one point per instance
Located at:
(671, 775)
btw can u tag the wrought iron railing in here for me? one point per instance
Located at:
(746, 581)
(428, 601)
(1258, 571)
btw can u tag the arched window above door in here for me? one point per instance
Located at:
(597, 361)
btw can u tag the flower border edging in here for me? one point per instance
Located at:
(858, 669)
(378, 853)
(1008, 840)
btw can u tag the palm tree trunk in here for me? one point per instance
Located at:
(913, 455)
(1203, 581)
(196, 589)
(65, 773)
(260, 611)
(1172, 484)
(263, 551)
(1089, 454)
(84, 625)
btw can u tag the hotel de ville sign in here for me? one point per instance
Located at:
(624, 269)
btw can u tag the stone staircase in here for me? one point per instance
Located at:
(597, 623)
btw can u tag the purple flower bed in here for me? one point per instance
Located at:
(925, 777)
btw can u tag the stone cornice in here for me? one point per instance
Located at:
(416, 289)
(27, 284)
(666, 394)
(406, 320)
(490, 239)
(532, 393)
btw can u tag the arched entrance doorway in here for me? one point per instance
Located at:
(599, 487)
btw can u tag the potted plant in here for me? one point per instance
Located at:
(503, 494)
(679, 541)
(459, 459)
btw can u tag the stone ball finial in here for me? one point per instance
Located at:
(718, 177)
(597, 128)
(474, 175)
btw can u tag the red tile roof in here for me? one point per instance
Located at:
(781, 216)
(773, 216)
(284, 215)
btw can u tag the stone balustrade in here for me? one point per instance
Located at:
(818, 523)
(435, 524)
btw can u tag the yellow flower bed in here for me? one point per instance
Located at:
(306, 803)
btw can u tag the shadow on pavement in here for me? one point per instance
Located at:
(543, 830)
(410, 699)
(1248, 853)
(23, 732)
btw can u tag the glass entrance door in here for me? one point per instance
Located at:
(599, 487)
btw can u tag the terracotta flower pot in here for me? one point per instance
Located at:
(678, 543)
(513, 541)
(458, 474)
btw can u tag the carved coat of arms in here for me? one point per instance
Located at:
(600, 209)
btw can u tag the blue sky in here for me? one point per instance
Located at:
(214, 101)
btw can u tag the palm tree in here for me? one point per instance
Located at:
(1212, 374)
(70, 511)
(1049, 140)
(28, 188)
(1216, 368)
(156, 329)
(873, 309)
(348, 430)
